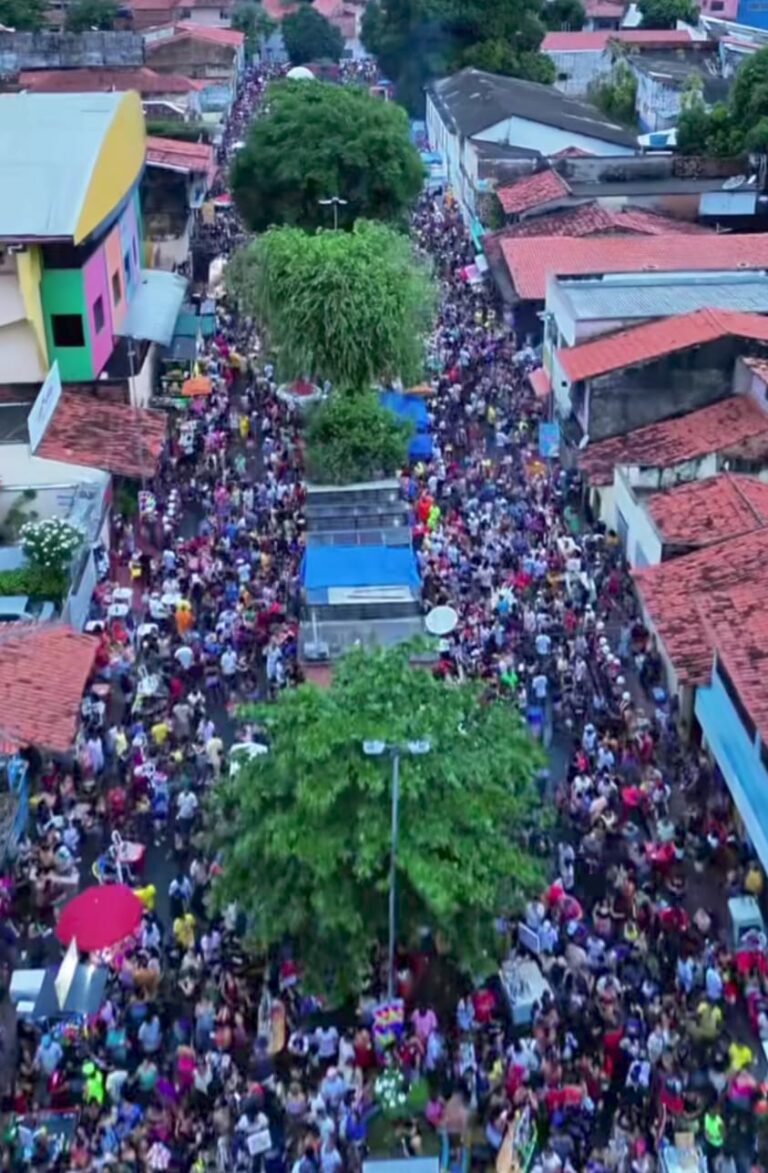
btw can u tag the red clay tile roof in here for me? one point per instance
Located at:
(653, 339)
(593, 220)
(540, 382)
(541, 188)
(82, 81)
(701, 512)
(736, 623)
(572, 153)
(205, 33)
(716, 428)
(193, 157)
(43, 671)
(595, 42)
(671, 590)
(276, 9)
(111, 436)
(530, 262)
(604, 9)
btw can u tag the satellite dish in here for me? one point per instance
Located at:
(300, 73)
(441, 620)
(735, 182)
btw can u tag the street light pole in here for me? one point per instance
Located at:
(377, 749)
(393, 872)
(335, 202)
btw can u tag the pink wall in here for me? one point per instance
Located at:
(96, 284)
(728, 11)
(114, 257)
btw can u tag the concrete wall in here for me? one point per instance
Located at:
(621, 401)
(69, 51)
(54, 480)
(20, 360)
(657, 104)
(523, 132)
(575, 72)
(640, 538)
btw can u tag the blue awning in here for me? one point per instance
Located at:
(359, 566)
(154, 307)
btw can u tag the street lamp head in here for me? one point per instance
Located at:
(419, 748)
(374, 749)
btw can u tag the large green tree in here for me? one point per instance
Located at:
(84, 15)
(250, 18)
(351, 307)
(353, 438)
(25, 16)
(729, 128)
(304, 830)
(664, 14)
(416, 41)
(318, 141)
(309, 36)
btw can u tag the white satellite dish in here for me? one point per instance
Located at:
(441, 620)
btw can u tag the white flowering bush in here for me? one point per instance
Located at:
(391, 1093)
(51, 544)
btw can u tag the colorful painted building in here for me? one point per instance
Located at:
(71, 285)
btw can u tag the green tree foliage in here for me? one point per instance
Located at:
(251, 19)
(304, 830)
(24, 16)
(616, 94)
(351, 307)
(309, 36)
(564, 14)
(353, 438)
(84, 15)
(664, 14)
(748, 98)
(320, 140)
(734, 126)
(188, 132)
(416, 41)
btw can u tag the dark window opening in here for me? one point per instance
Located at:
(67, 330)
(117, 289)
(127, 264)
(98, 314)
(736, 701)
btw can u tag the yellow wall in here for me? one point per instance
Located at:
(30, 270)
(119, 165)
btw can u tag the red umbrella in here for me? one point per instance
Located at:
(100, 917)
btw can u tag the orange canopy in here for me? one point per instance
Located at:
(200, 385)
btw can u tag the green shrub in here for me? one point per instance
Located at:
(354, 438)
(34, 580)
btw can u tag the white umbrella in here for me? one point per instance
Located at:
(441, 620)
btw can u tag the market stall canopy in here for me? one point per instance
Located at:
(154, 307)
(100, 917)
(33, 992)
(100, 434)
(44, 668)
(200, 385)
(190, 323)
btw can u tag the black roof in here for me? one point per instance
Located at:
(472, 101)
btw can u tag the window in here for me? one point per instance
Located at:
(117, 289)
(717, 5)
(98, 314)
(127, 263)
(67, 330)
(135, 251)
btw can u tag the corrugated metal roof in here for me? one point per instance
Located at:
(661, 300)
(728, 203)
(154, 308)
(49, 145)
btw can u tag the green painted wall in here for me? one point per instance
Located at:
(63, 293)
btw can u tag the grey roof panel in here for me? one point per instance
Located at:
(473, 101)
(49, 144)
(659, 301)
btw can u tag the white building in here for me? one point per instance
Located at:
(473, 105)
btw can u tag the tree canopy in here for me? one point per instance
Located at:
(319, 140)
(250, 18)
(664, 14)
(25, 16)
(353, 438)
(351, 307)
(84, 15)
(568, 15)
(416, 41)
(731, 127)
(616, 93)
(309, 36)
(304, 830)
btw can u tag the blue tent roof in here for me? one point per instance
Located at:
(358, 566)
(413, 408)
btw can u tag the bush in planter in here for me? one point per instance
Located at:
(50, 544)
(354, 438)
(34, 580)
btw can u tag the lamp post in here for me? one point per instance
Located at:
(377, 749)
(335, 202)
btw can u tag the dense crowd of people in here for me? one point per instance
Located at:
(645, 1025)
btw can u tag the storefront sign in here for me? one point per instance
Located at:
(44, 406)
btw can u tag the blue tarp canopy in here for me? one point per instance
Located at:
(358, 566)
(413, 408)
(154, 307)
